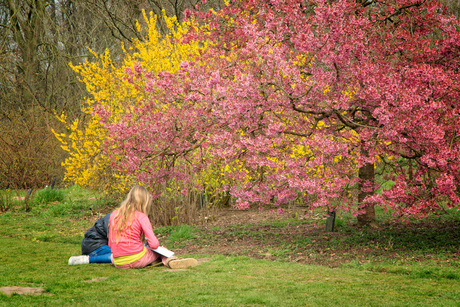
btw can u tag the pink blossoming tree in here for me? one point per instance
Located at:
(307, 98)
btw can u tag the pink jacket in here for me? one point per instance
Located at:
(130, 241)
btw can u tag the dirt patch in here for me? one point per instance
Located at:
(272, 236)
(226, 217)
(22, 290)
(222, 234)
(96, 279)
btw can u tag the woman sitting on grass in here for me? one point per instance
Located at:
(128, 225)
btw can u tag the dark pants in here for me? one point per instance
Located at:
(101, 255)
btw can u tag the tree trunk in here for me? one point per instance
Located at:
(366, 174)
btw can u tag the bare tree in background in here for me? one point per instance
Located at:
(38, 39)
(121, 16)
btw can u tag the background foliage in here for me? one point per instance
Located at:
(102, 38)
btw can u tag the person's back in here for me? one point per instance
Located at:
(96, 236)
(128, 241)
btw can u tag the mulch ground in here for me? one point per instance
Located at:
(222, 235)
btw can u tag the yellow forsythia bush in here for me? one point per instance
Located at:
(87, 165)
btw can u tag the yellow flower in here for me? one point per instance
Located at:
(87, 165)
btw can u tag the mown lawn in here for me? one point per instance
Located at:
(412, 271)
(219, 281)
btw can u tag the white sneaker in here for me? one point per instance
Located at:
(74, 260)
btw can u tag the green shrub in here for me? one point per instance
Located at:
(181, 234)
(48, 195)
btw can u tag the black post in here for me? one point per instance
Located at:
(330, 222)
(53, 182)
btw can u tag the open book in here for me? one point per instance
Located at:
(163, 251)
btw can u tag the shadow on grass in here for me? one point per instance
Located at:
(432, 235)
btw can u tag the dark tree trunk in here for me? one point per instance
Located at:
(366, 174)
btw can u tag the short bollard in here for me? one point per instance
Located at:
(330, 222)
(53, 182)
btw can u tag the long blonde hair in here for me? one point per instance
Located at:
(138, 199)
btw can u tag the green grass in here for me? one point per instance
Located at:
(221, 281)
(48, 195)
(420, 266)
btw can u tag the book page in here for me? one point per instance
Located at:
(163, 251)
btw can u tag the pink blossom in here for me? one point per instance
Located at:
(241, 205)
(138, 68)
(301, 116)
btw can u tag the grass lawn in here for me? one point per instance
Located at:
(35, 247)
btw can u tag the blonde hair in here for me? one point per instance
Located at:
(138, 199)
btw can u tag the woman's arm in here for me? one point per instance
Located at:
(148, 231)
